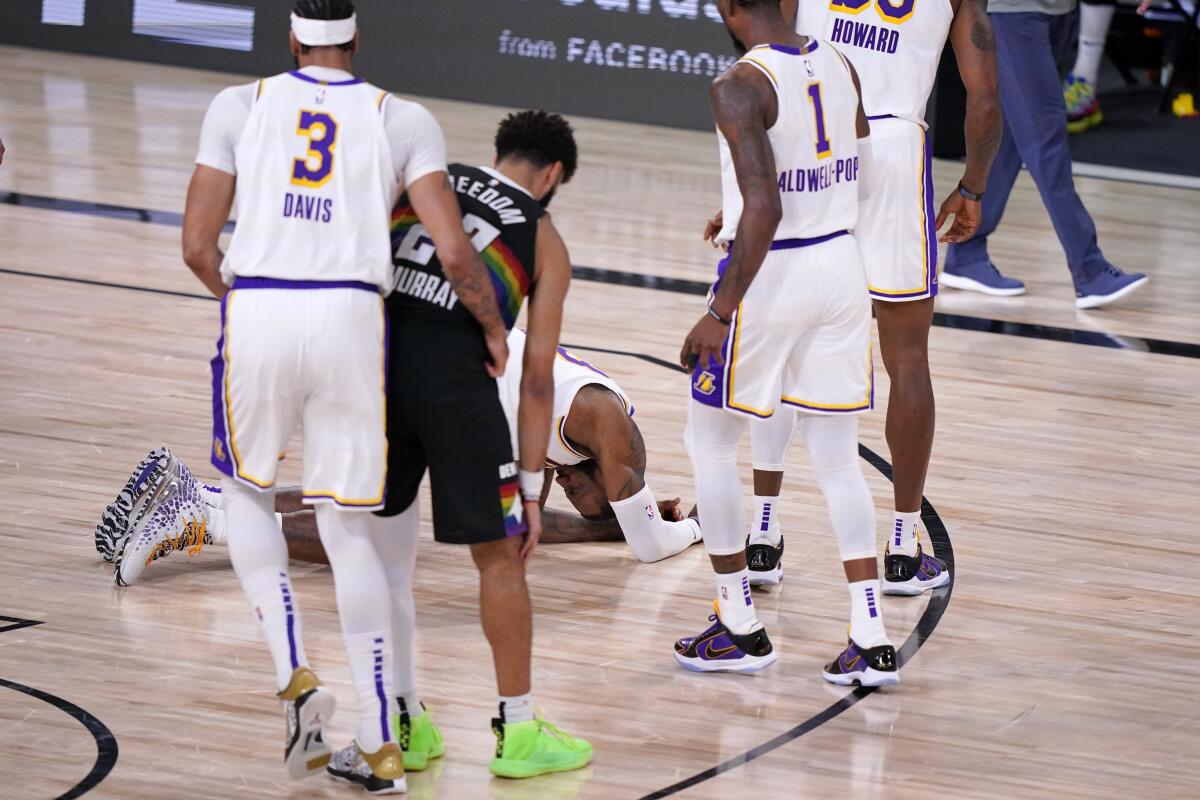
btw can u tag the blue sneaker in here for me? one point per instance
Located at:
(719, 650)
(866, 666)
(1109, 286)
(982, 276)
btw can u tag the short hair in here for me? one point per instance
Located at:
(539, 137)
(757, 3)
(324, 9)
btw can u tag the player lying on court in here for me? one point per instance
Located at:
(596, 448)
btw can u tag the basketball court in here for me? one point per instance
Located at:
(1061, 661)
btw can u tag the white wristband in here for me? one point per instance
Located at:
(531, 485)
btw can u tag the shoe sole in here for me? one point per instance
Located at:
(970, 285)
(498, 769)
(869, 678)
(772, 577)
(397, 787)
(743, 666)
(914, 586)
(140, 517)
(113, 517)
(311, 719)
(1095, 301)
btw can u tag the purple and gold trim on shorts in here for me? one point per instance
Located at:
(929, 241)
(222, 453)
(241, 283)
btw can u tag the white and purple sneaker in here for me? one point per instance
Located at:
(130, 506)
(720, 650)
(175, 518)
(866, 666)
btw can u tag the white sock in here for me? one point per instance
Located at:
(1094, 22)
(516, 709)
(412, 701)
(904, 533)
(370, 657)
(866, 614)
(270, 593)
(734, 605)
(214, 504)
(765, 522)
(650, 537)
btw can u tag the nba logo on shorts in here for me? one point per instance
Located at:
(649, 511)
(705, 383)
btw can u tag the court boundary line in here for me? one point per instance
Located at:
(18, 623)
(1026, 330)
(107, 751)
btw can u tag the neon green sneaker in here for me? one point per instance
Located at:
(419, 738)
(535, 747)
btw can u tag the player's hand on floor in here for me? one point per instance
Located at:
(669, 509)
(715, 223)
(533, 529)
(966, 213)
(705, 344)
(497, 345)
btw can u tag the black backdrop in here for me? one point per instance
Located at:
(637, 60)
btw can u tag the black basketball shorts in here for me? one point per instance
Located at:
(444, 415)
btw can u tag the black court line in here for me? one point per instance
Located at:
(16, 623)
(106, 743)
(620, 278)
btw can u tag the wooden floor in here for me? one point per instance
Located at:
(1067, 663)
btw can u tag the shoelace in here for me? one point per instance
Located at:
(554, 731)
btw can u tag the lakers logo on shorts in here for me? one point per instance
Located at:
(705, 383)
(218, 449)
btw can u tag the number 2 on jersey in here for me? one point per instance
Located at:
(824, 148)
(322, 131)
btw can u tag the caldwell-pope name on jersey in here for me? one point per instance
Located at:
(815, 179)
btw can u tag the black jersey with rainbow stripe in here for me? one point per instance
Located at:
(500, 218)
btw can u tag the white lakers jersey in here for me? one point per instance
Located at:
(570, 375)
(895, 46)
(315, 183)
(814, 139)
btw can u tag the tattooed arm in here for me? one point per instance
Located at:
(436, 205)
(744, 106)
(564, 527)
(975, 49)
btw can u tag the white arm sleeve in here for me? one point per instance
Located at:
(223, 126)
(418, 145)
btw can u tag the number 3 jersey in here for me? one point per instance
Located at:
(319, 157)
(814, 141)
(501, 219)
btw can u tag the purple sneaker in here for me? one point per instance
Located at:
(982, 276)
(911, 575)
(130, 506)
(866, 666)
(1110, 285)
(718, 650)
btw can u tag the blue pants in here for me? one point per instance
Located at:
(1035, 133)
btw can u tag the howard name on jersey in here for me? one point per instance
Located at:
(500, 218)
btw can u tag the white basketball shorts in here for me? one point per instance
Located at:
(801, 337)
(895, 230)
(309, 353)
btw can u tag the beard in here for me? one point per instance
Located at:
(737, 44)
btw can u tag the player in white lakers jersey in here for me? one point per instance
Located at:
(895, 45)
(787, 325)
(315, 159)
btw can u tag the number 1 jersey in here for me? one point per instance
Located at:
(814, 140)
(315, 183)
(501, 219)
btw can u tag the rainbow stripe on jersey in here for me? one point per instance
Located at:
(508, 274)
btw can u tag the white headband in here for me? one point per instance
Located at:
(324, 32)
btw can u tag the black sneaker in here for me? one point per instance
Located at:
(765, 561)
(874, 666)
(911, 575)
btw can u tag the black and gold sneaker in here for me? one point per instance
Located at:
(309, 707)
(866, 666)
(765, 561)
